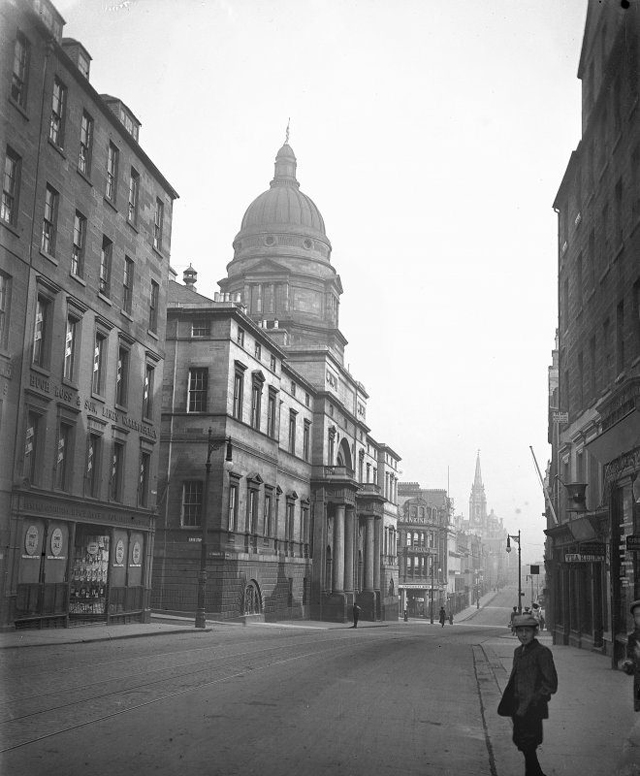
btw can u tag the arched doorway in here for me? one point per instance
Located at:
(252, 599)
(344, 455)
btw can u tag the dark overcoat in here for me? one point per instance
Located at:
(633, 654)
(532, 682)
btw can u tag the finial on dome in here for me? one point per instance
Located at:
(286, 134)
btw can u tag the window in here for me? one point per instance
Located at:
(147, 392)
(158, 225)
(132, 205)
(272, 361)
(292, 431)
(307, 400)
(71, 347)
(5, 299)
(252, 513)
(153, 306)
(112, 172)
(86, 143)
(58, 110)
(240, 337)
(271, 414)
(50, 220)
(256, 404)
(92, 467)
(127, 285)
(10, 186)
(99, 363)
(117, 470)
(306, 437)
(233, 508)
(122, 375)
(42, 332)
(79, 239)
(197, 390)
(106, 257)
(63, 459)
(192, 493)
(290, 521)
(258, 351)
(143, 478)
(20, 76)
(200, 328)
(267, 514)
(83, 64)
(238, 390)
(31, 469)
(293, 388)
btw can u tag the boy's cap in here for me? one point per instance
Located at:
(529, 621)
(634, 605)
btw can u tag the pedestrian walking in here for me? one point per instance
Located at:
(443, 616)
(514, 613)
(632, 662)
(450, 618)
(532, 682)
(356, 615)
(406, 615)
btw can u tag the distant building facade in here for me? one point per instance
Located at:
(593, 572)
(332, 486)
(423, 526)
(85, 228)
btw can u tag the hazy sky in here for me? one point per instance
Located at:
(433, 136)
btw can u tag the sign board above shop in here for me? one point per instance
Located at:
(633, 542)
(576, 557)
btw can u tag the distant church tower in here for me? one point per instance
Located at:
(477, 502)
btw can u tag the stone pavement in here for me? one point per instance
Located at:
(592, 727)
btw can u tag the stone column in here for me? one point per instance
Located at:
(376, 553)
(338, 550)
(368, 553)
(349, 549)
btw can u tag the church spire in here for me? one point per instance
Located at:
(477, 480)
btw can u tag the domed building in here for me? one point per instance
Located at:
(282, 265)
(299, 500)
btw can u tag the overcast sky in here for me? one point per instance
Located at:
(433, 136)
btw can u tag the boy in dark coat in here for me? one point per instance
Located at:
(532, 682)
(632, 663)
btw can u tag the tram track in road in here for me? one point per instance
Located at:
(30, 726)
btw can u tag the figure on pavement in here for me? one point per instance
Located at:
(443, 616)
(356, 615)
(406, 615)
(532, 682)
(450, 618)
(631, 664)
(514, 613)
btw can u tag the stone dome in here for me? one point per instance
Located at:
(283, 213)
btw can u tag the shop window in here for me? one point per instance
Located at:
(89, 575)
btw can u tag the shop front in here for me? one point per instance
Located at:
(72, 572)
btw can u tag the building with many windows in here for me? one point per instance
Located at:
(85, 226)
(423, 528)
(299, 521)
(593, 570)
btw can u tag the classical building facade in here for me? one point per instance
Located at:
(85, 225)
(593, 570)
(310, 452)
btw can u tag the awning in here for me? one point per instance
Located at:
(622, 437)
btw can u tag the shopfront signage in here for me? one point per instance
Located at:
(592, 548)
(633, 542)
(560, 417)
(55, 543)
(31, 540)
(576, 557)
(119, 552)
(136, 554)
(412, 587)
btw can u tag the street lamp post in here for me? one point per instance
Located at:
(212, 445)
(517, 539)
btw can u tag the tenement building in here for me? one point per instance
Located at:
(85, 224)
(267, 455)
(593, 571)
